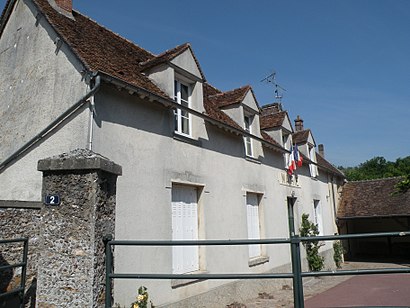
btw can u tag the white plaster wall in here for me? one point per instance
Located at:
(36, 85)
(138, 136)
(187, 62)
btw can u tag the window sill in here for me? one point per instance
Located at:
(187, 139)
(252, 159)
(177, 283)
(258, 261)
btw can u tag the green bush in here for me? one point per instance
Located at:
(338, 252)
(316, 262)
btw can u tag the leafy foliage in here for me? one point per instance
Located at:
(403, 186)
(338, 252)
(141, 301)
(308, 228)
(378, 168)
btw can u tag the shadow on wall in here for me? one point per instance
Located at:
(7, 283)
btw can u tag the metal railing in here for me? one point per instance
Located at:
(22, 265)
(293, 241)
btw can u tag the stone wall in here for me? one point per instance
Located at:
(66, 261)
(73, 268)
(18, 220)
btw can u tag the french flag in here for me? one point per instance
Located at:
(291, 162)
(297, 157)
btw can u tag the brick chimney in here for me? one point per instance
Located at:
(298, 124)
(271, 109)
(321, 149)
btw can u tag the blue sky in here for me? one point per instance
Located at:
(345, 64)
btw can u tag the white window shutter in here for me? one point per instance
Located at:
(184, 227)
(252, 209)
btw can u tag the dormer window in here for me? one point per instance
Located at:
(247, 139)
(182, 95)
(313, 167)
(286, 141)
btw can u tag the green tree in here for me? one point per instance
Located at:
(377, 168)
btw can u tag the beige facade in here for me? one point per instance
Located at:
(137, 131)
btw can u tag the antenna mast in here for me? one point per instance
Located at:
(271, 79)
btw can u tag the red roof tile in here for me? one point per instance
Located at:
(100, 49)
(322, 162)
(272, 120)
(168, 56)
(373, 198)
(212, 108)
(230, 97)
(301, 136)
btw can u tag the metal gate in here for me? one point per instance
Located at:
(296, 275)
(16, 294)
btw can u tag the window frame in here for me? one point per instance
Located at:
(179, 114)
(254, 251)
(318, 215)
(314, 172)
(248, 120)
(184, 253)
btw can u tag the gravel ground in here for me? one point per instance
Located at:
(311, 287)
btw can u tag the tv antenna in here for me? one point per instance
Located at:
(278, 89)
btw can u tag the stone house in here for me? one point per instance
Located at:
(197, 162)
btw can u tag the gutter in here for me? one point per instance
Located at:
(143, 93)
(52, 126)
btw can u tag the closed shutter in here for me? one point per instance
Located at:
(184, 227)
(252, 209)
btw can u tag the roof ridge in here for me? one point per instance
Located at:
(377, 180)
(213, 87)
(227, 92)
(115, 33)
(162, 54)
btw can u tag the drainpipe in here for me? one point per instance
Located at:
(90, 123)
(52, 126)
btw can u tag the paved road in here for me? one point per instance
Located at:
(372, 290)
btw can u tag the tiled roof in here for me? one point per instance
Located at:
(99, 49)
(168, 56)
(301, 136)
(269, 138)
(322, 162)
(373, 198)
(212, 108)
(272, 120)
(230, 97)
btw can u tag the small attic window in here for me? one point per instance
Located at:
(182, 95)
(286, 140)
(247, 140)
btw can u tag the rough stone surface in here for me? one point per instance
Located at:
(18, 223)
(79, 159)
(71, 269)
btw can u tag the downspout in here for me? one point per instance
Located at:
(52, 126)
(90, 123)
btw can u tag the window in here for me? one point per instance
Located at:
(317, 216)
(313, 167)
(286, 141)
(185, 259)
(247, 139)
(182, 95)
(252, 211)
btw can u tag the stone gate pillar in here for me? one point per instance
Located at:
(79, 191)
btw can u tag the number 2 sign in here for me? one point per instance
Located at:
(52, 200)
